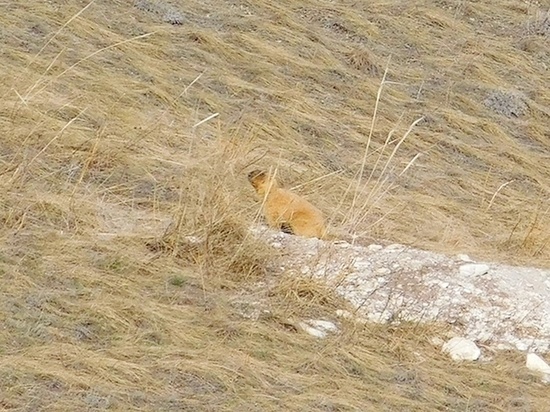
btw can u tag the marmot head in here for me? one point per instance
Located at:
(256, 175)
(260, 181)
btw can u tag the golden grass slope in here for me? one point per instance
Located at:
(309, 97)
(103, 141)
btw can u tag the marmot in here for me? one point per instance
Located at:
(285, 210)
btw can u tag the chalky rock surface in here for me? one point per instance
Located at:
(498, 305)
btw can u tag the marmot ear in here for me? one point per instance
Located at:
(255, 174)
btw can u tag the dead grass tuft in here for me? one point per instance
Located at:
(304, 293)
(214, 235)
(539, 25)
(361, 59)
(224, 249)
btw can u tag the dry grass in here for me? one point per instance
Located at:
(126, 133)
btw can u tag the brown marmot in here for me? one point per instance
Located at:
(285, 210)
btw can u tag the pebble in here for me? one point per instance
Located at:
(463, 257)
(318, 328)
(538, 365)
(462, 349)
(473, 269)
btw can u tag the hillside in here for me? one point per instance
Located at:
(128, 128)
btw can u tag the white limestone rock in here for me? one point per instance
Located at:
(398, 282)
(538, 365)
(462, 349)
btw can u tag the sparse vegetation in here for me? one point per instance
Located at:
(127, 130)
(177, 281)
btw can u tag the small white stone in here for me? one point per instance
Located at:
(462, 349)
(473, 269)
(535, 363)
(464, 257)
(323, 325)
(312, 331)
(318, 328)
(277, 245)
(375, 248)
